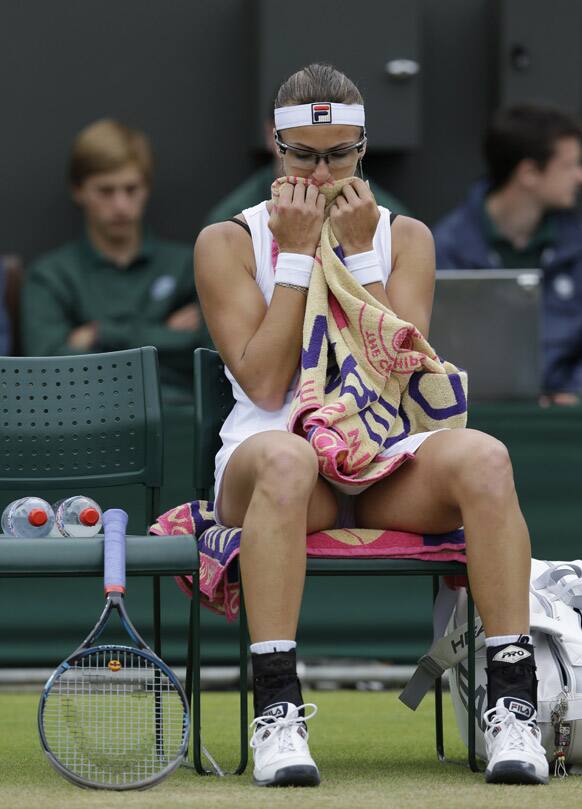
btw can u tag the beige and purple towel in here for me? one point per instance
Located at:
(367, 378)
(219, 546)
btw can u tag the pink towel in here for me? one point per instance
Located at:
(219, 546)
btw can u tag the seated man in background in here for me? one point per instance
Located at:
(257, 187)
(116, 287)
(523, 216)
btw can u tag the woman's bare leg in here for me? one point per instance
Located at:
(464, 477)
(271, 487)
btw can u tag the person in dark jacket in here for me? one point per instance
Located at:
(118, 286)
(522, 216)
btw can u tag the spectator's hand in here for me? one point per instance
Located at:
(83, 337)
(297, 218)
(354, 217)
(185, 319)
(563, 399)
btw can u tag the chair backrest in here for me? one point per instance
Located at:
(85, 420)
(213, 401)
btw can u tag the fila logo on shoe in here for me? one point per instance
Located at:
(520, 708)
(277, 711)
(511, 654)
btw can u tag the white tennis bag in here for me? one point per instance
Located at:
(556, 629)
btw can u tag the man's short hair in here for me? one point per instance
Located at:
(525, 131)
(107, 145)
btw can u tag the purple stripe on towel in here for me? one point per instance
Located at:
(439, 413)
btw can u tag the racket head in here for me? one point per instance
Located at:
(114, 717)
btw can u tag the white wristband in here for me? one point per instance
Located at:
(365, 267)
(294, 268)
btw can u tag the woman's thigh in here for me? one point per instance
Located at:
(286, 460)
(420, 496)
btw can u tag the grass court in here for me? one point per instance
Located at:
(370, 749)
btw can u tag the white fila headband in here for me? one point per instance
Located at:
(320, 112)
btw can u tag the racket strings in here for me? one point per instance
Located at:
(115, 718)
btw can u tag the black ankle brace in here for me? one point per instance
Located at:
(275, 680)
(511, 672)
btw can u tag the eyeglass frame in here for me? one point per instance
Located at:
(283, 147)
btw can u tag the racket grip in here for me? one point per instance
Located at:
(114, 527)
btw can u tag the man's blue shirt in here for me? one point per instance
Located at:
(464, 241)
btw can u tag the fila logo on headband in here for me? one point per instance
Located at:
(321, 113)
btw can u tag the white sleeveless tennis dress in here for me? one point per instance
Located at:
(246, 419)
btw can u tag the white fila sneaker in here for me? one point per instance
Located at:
(514, 749)
(280, 750)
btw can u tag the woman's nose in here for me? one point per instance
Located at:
(321, 172)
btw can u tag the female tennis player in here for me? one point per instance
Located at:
(267, 478)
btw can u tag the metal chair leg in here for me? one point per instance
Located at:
(189, 655)
(471, 682)
(193, 688)
(193, 692)
(193, 682)
(243, 688)
(438, 694)
(438, 719)
(157, 617)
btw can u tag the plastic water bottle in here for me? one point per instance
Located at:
(77, 516)
(28, 517)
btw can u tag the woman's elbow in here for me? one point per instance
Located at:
(270, 402)
(267, 396)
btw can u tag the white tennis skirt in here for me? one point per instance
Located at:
(345, 492)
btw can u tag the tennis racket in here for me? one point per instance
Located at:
(113, 716)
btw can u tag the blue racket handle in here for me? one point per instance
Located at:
(114, 527)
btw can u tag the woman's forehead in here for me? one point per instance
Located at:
(323, 137)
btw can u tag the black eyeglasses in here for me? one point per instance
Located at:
(302, 159)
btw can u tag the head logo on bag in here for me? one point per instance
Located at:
(511, 654)
(557, 638)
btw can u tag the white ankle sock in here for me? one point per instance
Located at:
(503, 640)
(269, 646)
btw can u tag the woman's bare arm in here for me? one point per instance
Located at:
(410, 287)
(260, 344)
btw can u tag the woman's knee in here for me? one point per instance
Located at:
(287, 467)
(481, 467)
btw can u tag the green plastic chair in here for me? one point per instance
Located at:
(213, 401)
(87, 421)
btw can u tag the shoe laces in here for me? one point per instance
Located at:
(283, 727)
(519, 733)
